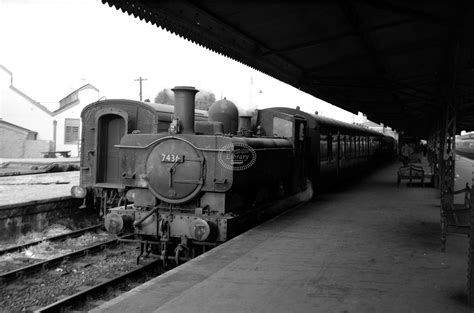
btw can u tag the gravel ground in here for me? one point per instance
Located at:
(45, 288)
(51, 231)
(48, 250)
(24, 188)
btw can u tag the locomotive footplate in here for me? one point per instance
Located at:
(161, 224)
(181, 236)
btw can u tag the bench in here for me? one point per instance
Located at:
(415, 158)
(456, 216)
(53, 154)
(411, 172)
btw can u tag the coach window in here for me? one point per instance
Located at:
(329, 147)
(334, 146)
(323, 148)
(300, 133)
(348, 147)
(342, 147)
(353, 148)
(357, 146)
(358, 139)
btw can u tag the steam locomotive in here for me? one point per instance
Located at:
(183, 180)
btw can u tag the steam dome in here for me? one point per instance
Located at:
(226, 112)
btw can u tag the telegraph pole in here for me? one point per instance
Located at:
(140, 79)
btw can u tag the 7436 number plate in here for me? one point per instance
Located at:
(172, 158)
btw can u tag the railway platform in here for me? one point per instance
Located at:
(41, 186)
(369, 247)
(34, 202)
(26, 188)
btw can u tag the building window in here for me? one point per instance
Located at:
(71, 130)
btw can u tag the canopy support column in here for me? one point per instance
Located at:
(447, 160)
(470, 270)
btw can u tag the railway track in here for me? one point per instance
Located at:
(27, 216)
(469, 155)
(72, 279)
(73, 234)
(32, 168)
(8, 277)
(99, 289)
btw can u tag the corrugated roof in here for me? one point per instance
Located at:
(399, 62)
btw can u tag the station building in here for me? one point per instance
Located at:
(28, 129)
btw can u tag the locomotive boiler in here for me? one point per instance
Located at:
(195, 183)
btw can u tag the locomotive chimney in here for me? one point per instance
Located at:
(184, 107)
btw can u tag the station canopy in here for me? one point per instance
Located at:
(399, 62)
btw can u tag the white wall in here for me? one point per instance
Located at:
(86, 97)
(18, 110)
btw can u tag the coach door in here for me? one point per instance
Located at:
(111, 128)
(300, 146)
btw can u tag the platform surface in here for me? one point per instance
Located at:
(370, 247)
(25, 188)
(41, 160)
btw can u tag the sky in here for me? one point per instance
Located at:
(53, 47)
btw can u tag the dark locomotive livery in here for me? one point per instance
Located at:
(183, 179)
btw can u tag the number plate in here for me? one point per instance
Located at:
(172, 158)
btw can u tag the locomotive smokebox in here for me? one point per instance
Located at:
(184, 107)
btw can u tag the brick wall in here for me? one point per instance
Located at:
(11, 143)
(33, 148)
(14, 144)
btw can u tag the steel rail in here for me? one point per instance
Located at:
(11, 276)
(73, 234)
(63, 304)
